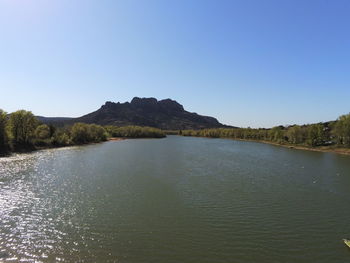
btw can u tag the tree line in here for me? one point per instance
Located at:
(21, 131)
(320, 134)
(134, 132)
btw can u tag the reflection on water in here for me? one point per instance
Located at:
(174, 200)
(28, 215)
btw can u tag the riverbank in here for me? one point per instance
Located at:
(330, 149)
(34, 149)
(40, 148)
(116, 139)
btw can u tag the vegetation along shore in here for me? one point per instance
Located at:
(21, 131)
(325, 137)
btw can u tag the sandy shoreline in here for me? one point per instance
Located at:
(116, 139)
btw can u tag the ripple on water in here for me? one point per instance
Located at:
(29, 219)
(173, 200)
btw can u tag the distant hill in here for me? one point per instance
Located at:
(164, 114)
(56, 121)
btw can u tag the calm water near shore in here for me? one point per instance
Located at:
(178, 199)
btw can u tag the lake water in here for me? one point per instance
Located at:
(177, 199)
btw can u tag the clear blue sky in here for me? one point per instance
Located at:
(249, 63)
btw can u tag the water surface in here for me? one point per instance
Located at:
(177, 199)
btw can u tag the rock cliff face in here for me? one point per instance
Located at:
(164, 114)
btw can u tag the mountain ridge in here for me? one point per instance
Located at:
(164, 114)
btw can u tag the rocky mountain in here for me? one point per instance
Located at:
(164, 114)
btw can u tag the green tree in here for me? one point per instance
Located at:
(138, 132)
(315, 135)
(312, 135)
(42, 135)
(80, 133)
(97, 133)
(84, 133)
(295, 134)
(43, 132)
(342, 130)
(61, 137)
(3, 133)
(22, 125)
(276, 134)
